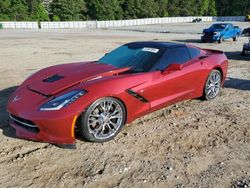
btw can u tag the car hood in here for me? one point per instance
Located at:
(211, 30)
(52, 80)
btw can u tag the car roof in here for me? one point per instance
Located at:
(155, 44)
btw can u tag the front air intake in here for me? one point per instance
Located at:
(24, 123)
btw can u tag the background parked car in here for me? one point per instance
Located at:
(197, 20)
(246, 48)
(246, 32)
(220, 31)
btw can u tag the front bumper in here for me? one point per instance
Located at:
(53, 127)
(60, 131)
(246, 46)
(212, 38)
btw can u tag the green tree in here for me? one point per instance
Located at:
(148, 9)
(105, 10)
(187, 8)
(5, 10)
(41, 14)
(162, 8)
(247, 7)
(237, 7)
(55, 18)
(68, 10)
(18, 10)
(36, 10)
(140, 9)
(211, 11)
(173, 8)
(201, 8)
(129, 9)
(205, 8)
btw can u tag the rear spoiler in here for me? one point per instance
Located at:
(214, 51)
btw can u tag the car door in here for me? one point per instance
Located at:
(168, 87)
(225, 32)
(229, 31)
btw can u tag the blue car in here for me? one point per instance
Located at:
(220, 31)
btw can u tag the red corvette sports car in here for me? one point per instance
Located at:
(98, 98)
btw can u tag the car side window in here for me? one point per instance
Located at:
(229, 26)
(194, 52)
(176, 55)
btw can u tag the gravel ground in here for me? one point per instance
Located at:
(191, 144)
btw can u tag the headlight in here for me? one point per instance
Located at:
(62, 101)
(216, 33)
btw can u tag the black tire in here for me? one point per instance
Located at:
(236, 37)
(214, 75)
(243, 52)
(87, 131)
(220, 40)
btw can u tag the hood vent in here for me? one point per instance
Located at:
(53, 78)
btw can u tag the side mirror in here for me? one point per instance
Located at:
(172, 67)
(236, 27)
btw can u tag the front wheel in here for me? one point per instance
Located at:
(220, 40)
(243, 52)
(103, 120)
(213, 85)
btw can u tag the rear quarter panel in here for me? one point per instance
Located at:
(217, 60)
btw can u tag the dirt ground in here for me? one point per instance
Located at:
(191, 144)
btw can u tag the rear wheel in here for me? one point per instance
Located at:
(103, 120)
(213, 85)
(236, 37)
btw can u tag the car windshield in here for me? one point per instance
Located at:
(139, 58)
(218, 26)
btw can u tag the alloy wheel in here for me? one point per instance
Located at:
(213, 84)
(105, 119)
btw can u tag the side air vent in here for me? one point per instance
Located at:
(53, 78)
(203, 57)
(136, 95)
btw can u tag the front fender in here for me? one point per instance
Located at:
(117, 86)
